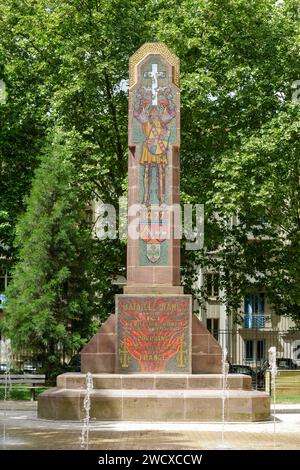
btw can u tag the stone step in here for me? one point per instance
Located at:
(185, 405)
(156, 382)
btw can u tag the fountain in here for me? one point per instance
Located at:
(84, 440)
(6, 358)
(273, 371)
(225, 370)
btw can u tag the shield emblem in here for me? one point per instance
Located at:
(153, 252)
(154, 224)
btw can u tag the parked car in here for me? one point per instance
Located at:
(31, 367)
(241, 369)
(74, 365)
(257, 377)
(3, 368)
(284, 363)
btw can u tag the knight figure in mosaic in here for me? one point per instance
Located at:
(154, 112)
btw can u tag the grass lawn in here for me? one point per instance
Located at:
(21, 393)
(294, 399)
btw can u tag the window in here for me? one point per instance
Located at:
(249, 350)
(260, 350)
(255, 350)
(212, 324)
(211, 284)
(4, 280)
(254, 308)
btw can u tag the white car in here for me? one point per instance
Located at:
(3, 368)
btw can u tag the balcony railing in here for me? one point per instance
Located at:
(256, 320)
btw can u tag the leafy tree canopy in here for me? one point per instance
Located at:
(54, 292)
(65, 65)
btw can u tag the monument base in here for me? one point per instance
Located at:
(162, 397)
(99, 356)
(154, 334)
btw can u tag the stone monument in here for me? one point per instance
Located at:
(153, 315)
(153, 359)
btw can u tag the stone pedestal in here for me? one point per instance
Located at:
(163, 397)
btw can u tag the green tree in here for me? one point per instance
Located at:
(238, 61)
(66, 64)
(260, 184)
(52, 297)
(22, 134)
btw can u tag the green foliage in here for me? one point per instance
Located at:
(65, 65)
(260, 183)
(21, 393)
(239, 128)
(53, 294)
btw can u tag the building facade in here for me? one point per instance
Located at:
(258, 328)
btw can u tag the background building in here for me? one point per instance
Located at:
(258, 327)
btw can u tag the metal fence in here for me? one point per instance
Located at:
(28, 361)
(247, 350)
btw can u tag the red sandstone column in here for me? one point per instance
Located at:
(153, 260)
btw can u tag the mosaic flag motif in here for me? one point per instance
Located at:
(153, 334)
(154, 226)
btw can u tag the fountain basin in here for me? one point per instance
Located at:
(163, 397)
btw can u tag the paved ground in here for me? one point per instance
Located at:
(20, 429)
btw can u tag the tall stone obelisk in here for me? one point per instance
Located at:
(153, 315)
(153, 170)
